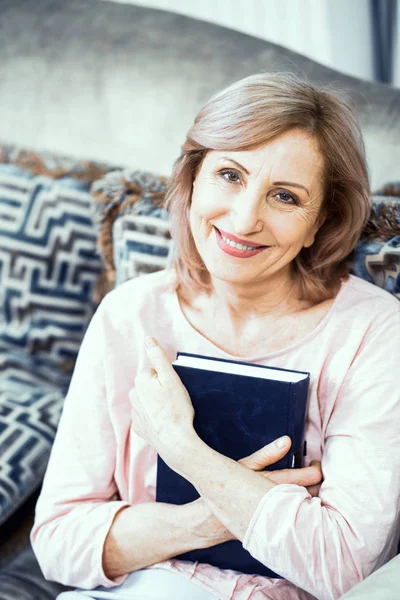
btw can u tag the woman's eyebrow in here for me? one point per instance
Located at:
(236, 163)
(298, 185)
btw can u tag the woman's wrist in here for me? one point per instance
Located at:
(206, 529)
(183, 454)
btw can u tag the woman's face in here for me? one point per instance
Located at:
(270, 197)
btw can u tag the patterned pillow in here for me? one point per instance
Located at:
(49, 265)
(30, 408)
(376, 257)
(142, 245)
(133, 226)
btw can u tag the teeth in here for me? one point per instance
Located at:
(239, 246)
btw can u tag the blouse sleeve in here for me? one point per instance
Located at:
(78, 500)
(325, 545)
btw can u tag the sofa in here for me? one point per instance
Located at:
(96, 98)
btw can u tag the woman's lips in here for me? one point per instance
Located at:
(238, 240)
(235, 251)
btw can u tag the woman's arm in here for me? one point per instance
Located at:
(79, 498)
(84, 535)
(81, 524)
(324, 545)
(149, 533)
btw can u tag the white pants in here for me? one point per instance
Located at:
(146, 584)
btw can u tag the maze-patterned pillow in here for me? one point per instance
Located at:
(30, 408)
(376, 257)
(134, 235)
(379, 263)
(48, 264)
(48, 268)
(142, 245)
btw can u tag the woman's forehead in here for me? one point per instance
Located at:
(292, 142)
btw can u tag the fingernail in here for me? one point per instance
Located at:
(149, 341)
(282, 441)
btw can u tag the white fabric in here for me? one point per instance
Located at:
(146, 584)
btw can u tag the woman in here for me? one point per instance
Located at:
(274, 163)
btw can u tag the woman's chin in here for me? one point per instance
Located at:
(246, 274)
(232, 274)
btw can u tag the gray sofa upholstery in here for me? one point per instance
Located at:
(121, 84)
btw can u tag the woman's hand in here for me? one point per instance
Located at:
(162, 411)
(309, 477)
(162, 414)
(206, 525)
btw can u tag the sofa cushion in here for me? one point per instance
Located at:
(48, 264)
(376, 257)
(141, 245)
(22, 579)
(31, 400)
(133, 226)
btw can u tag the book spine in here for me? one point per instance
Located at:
(302, 389)
(291, 422)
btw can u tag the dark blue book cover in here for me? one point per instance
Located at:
(236, 415)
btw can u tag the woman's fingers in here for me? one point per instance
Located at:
(268, 455)
(314, 489)
(306, 476)
(309, 477)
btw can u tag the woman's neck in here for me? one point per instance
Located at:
(245, 302)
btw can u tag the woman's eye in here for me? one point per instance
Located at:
(230, 176)
(286, 198)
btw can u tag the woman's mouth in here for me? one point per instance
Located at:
(234, 249)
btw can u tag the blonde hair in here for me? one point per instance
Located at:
(251, 113)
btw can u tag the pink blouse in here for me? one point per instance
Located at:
(321, 546)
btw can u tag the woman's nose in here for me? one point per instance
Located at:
(246, 215)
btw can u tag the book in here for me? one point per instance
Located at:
(239, 408)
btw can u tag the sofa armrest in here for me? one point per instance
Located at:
(383, 584)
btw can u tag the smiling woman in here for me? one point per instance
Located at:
(267, 200)
(277, 150)
(255, 211)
